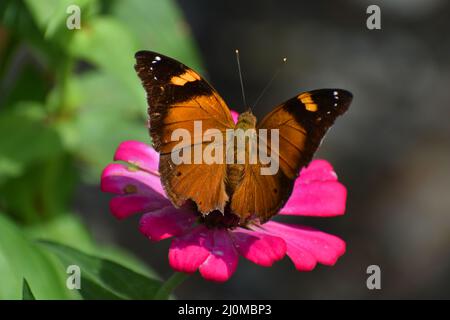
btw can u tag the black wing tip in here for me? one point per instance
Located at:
(340, 98)
(147, 54)
(345, 94)
(345, 98)
(143, 54)
(341, 92)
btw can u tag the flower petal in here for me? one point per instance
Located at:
(126, 205)
(189, 251)
(307, 246)
(138, 154)
(235, 116)
(317, 170)
(318, 199)
(139, 191)
(260, 248)
(166, 222)
(222, 261)
(317, 192)
(118, 179)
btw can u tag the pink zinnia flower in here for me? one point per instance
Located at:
(214, 249)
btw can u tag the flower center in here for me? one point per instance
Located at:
(219, 220)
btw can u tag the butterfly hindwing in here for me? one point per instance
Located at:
(177, 96)
(302, 123)
(260, 195)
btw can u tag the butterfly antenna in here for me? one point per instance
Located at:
(240, 77)
(268, 84)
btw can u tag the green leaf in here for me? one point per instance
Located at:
(65, 228)
(27, 294)
(159, 26)
(39, 193)
(19, 21)
(107, 44)
(28, 20)
(122, 118)
(104, 279)
(51, 15)
(26, 83)
(47, 12)
(91, 290)
(68, 229)
(33, 139)
(125, 259)
(19, 259)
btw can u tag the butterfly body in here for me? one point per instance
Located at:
(235, 171)
(179, 99)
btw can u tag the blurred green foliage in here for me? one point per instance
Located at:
(104, 279)
(21, 258)
(67, 99)
(27, 294)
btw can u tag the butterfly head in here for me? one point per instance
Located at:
(246, 120)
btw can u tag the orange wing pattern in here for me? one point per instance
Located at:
(302, 123)
(177, 96)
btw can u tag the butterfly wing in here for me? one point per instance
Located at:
(177, 96)
(302, 123)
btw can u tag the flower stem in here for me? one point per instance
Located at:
(166, 289)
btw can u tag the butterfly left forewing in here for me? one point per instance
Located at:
(301, 123)
(177, 93)
(177, 97)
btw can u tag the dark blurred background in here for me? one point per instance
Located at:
(391, 149)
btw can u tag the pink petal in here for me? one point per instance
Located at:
(319, 199)
(317, 170)
(126, 205)
(260, 248)
(222, 261)
(166, 222)
(189, 251)
(139, 190)
(317, 193)
(138, 154)
(307, 246)
(117, 178)
(235, 116)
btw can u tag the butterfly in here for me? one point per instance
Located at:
(178, 96)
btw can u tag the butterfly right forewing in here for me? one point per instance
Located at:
(301, 123)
